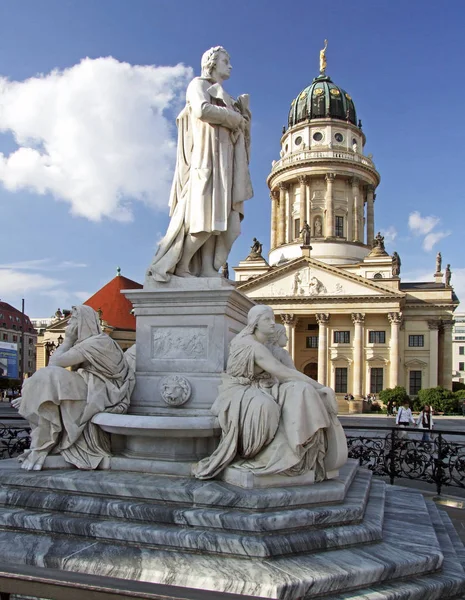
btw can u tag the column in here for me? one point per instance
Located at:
(350, 215)
(290, 322)
(329, 205)
(303, 200)
(357, 204)
(309, 203)
(395, 318)
(274, 195)
(370, 215)
(447, 354)
(322, 320)
(433, 327)
(282, 214)
(358, 320)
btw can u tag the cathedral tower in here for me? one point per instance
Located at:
(323, 178)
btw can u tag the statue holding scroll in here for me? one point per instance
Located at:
(212, 179)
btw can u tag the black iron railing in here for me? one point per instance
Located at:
(398, 453)
(392, 452)
(14, 440)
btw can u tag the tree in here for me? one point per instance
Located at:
(439, 398)
(398, 395)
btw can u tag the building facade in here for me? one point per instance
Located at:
(458, 348)
(352, 322)
(16, 328)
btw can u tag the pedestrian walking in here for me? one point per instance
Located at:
(425, 422)
(404, 417)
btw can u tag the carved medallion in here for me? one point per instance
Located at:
(175, 390)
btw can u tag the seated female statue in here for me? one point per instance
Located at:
(59, 404)
(274, 418)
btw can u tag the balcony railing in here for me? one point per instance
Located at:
(315, 155)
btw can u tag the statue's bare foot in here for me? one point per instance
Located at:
(209, 273)
(16, 402)
(35, 460)
(22, 457)
(180, 272)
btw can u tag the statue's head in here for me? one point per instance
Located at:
(280, 335)
(261, 318)
(215, 64)
(83, 323)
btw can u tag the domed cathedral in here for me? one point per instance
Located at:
(351, 322)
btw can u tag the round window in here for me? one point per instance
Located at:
(298, 140)
(339, 137)
(318, 136)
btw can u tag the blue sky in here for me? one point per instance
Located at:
(87, 148)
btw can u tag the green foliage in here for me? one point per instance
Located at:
(398, 395)
(460, 394)
(440, 399)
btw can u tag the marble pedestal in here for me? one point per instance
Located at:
(183, 329)
(349, 538)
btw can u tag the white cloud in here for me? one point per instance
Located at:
(43, 264)
(433, 238)
(14, 282)
(421, 225)
(94, 135)
(389, 234)
(424, 226)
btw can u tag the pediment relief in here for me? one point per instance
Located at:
(377, 358)
(337, 357)
(420, 364)
(310, 278)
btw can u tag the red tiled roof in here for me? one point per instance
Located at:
(115, 307)
(12, 316)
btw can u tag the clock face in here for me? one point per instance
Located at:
(339, 137)
(318, 136)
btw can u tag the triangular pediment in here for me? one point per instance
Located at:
(307, 277)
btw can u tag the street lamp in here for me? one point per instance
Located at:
(60, 340)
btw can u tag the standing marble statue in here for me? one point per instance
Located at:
(59, 404)
(438, 262)
(396, 264)
(448, 275)
(305, 234)
(212, 179)
(274, 419)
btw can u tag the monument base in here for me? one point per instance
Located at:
(339, 539)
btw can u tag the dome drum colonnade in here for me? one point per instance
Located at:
(323, 178)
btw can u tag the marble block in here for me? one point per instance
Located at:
(184, 328)
(250, 480)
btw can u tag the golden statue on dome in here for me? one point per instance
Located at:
(323, 59)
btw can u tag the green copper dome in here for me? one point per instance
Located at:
(322, 99)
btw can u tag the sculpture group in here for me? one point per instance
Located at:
(274, 419)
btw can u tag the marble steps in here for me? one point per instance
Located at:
(287, 578)
(446, 583)
(455, 539)
(404, 565)
(350, 511)
(203, 539)
(179, 490)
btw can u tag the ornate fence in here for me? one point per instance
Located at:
(13, 440)
(387, 451)
(400, 453)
